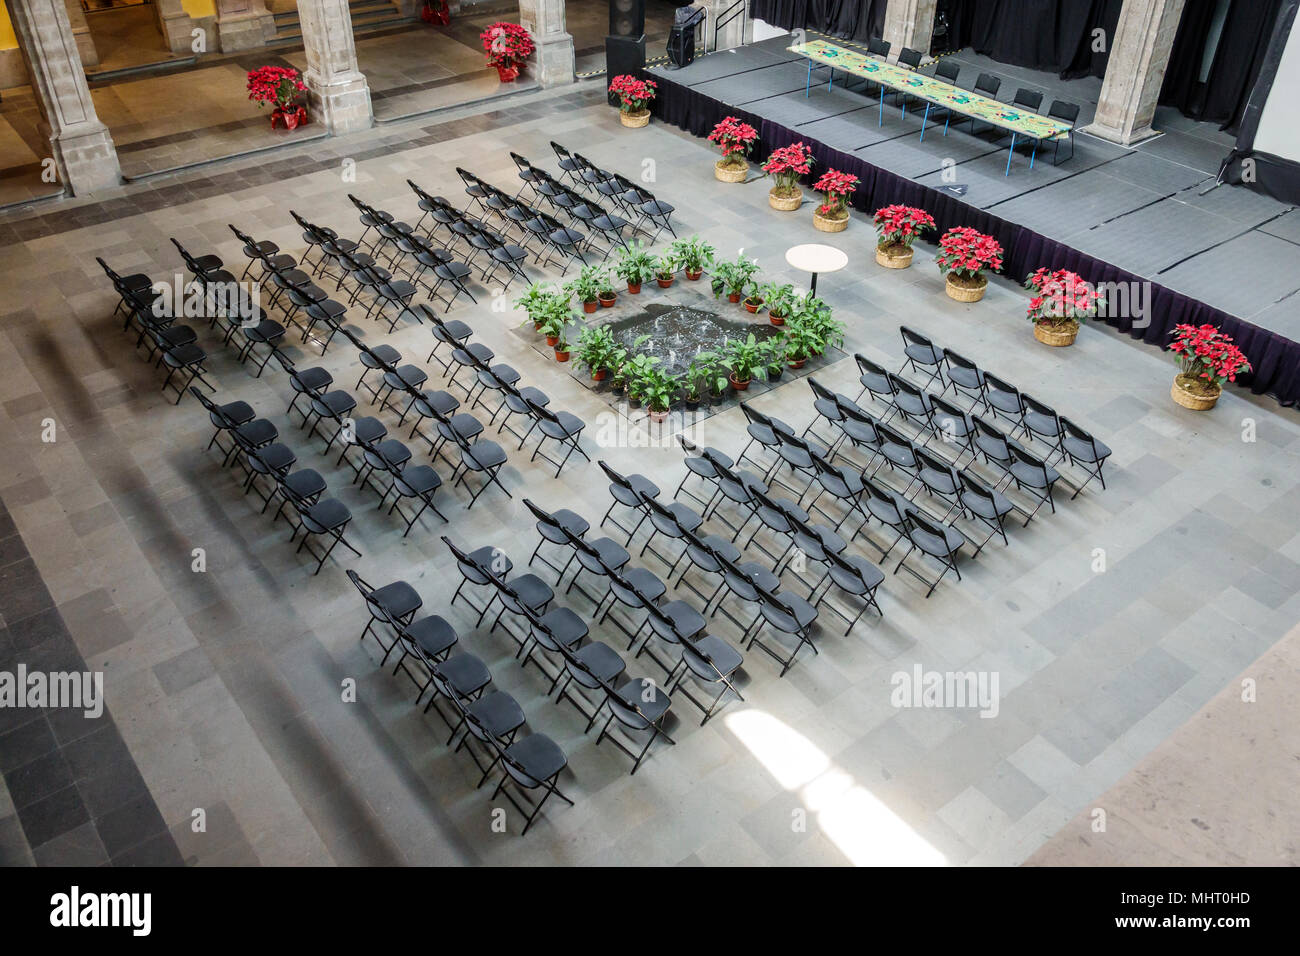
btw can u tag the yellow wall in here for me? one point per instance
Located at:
(200, 8)
(7, 39)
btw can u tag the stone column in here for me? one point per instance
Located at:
(339, 94)
(175, 25)
(909, 23)
(243, 24)
(552, 64)
(80, 144)
(1135, 71)
(734, 33)
(81, 33)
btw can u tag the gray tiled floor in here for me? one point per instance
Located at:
(226, 686)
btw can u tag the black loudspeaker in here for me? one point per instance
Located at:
(624, 55)
(626, 18)
(681, 46)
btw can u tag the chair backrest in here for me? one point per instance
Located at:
(909, 58)
(994, 433)
(616, 479)
(543, 516)
(519, 161)
(1064, 111)
(912, 337)
(1025, 457)
(988, 84)
(1075, 432)
(976, 487)
(868, 367)
(360, 584)
(948, 71)
(916, 517)
(1000, 385)
(941, 404)
(959, 360)
(1030, 99)
(878, 47)
(1034, 405)
(933, 463)
(820, 390)
(901, 384)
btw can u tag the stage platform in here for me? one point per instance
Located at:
(1153, 210)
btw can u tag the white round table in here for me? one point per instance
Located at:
(814, 257)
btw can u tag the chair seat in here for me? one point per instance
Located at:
(571, 521)
(329, 514)
(432, 634)
(804, 613)
(923, 354)
(258, 432)
(406, 376)
(493, 557)
(464, 673)
(721, 546)
(368, 429)
(612, 554)
(444, 403)
(1030, 475)
(602, 660)
(710, 656)
(540, 757)
(686, 620)
(1045, 426)
(275, 457)
(497, 713)
(871, 576)
(643, 486)
(982, 506)
(532, 590)
(305, 483)
(418, 480)
(385, 353)
(762, 576)
(313, 379)
(646, 582)
(393, 452)
(1083, 451)
(238, 412)
(633, 696)
(565, 625)
(685, 516)
(397, 599)
(188, 354)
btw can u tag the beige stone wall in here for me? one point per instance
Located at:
(13, 72)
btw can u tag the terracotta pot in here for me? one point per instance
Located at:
(599, 375)
(1057, 336)
(738, 386)
(664, 283)
(561, 356)
(728, 173)
(830, 225)
(797, 363)
(507, 74)
(733, 297)
(894, 257)
(634, 120)
(694, 274)
(608, 303)
(591, 306)
(776, 319)
(634, 289)
(752, 308)
(552, 340)
(957, 289)
(1181, 394)
(537, 326)
(784, 203)
(658, 416)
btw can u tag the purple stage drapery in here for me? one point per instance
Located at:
(1275, 360)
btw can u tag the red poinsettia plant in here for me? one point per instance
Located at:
(898, 226)
(1062, 297)
(506, 44)
(633, 95)
(734, 138)
(1207, 356)
(786, 165)
(275, 85)
(836, 188)
(966, 253)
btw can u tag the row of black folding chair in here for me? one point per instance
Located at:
(636, 201)
(493, 718)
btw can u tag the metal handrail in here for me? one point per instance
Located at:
(739, 8)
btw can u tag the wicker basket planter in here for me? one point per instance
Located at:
(1056, 335)
(963, 290)
(730, 172)
(1195, 400)
(830, 225)
(894, 257)
(634, 120)
(784, 203)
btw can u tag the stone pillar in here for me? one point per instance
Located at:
(80, 144)
(1135, 71)
(243, 25)
(81, 33)
(339, 94)
(909, 23)
(175, 25)
(552, 64)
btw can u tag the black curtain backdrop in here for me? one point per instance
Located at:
(1275, 359)
(1054, 35)
(1242, 47)
(849, 19)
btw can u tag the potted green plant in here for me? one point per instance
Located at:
(598, 351)
(562, 348)
(802, 341)
(606, 294)
(658, 390)
(534, 302)
(555, 315)
(693, 254)
(635, 266)
(586, 286)
(744, 358)
(665, 271)
(774, 355)
(635, 370)
(731, 278)
(813, 312)
(754, 300)
(779, 298)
